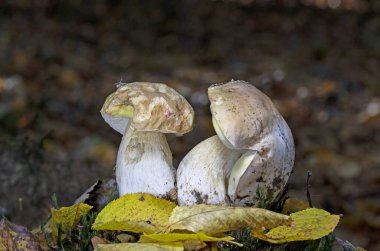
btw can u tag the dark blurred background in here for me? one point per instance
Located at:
(317, 59)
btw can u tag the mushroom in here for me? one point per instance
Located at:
(142, 113)
(245, 119)
(248, 124)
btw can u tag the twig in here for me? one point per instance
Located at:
(309, 174)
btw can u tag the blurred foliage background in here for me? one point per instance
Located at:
(317, 59)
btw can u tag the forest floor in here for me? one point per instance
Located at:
(59, 61)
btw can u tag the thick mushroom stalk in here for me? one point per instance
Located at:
(144, 164)
(202, 176)
(143, 112)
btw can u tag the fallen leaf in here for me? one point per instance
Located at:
(126, 225)
(135, 213)
(67, 218)
(40, 237)
(15, 237)
(126, 238)
(293, 205)
(177, 246)
(96, 240)
(193, 244)
(99, 194)
(309, 224)
(86, 195)
(175, 237)
(213, 219)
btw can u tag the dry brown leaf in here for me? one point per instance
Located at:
(126, 238)
(96, 240)
(99, 194)
(194, 244)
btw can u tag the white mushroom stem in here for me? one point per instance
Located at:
(202, 175)
(144, 164)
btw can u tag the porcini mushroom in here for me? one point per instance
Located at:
(248, 124)
(245, 119)
(143, 112)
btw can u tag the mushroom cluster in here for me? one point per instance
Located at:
(253, 147)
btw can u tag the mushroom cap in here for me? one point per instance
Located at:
(245, 118)
(242, 114)
(149, 107)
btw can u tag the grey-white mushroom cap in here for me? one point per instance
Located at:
(242, 114)
(244, 118)
(148, 107)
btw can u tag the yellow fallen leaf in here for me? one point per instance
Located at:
(309, 224)
(67, 218)
(177, 246)
(135, 213)
(174, 237)
(125, 225)
(213, 219)
(293, 205)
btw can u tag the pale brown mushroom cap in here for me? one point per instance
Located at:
(150, 107)
(243, 114)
